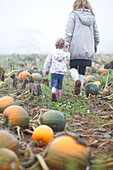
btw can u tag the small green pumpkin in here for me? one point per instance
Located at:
(91, 88)
(54, 119)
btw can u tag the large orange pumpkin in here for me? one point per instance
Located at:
(23, 74)
(8, 160)
(16, 116)
(5, 102)
(7, 140)
(42, 135)
(65, 152)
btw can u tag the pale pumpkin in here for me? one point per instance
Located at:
(16, 116)
(5, 102)
(89, 78)
(37, 77)
(65, 152)
(23, 74)
(42, 135)
(8, 160)
(8, 140)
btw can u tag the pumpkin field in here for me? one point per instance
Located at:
(74, 133)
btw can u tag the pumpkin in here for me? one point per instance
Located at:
(21, 64)
(8, 160)
(16, 116)
(89, 78)
(93, 64)
(5, 102)
(94, 69)
(42, 135)
(65, 152)
(100, 60)
(35, 70)
(102, 70)
(37, 77)
(54, 119)
(92, 88)
(7, 140)
(107, 57)
(23, 74)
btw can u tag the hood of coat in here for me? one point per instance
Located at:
(85, 16)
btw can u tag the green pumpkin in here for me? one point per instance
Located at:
(54, 119)
(92, 88)
(21, 64)
(35, 70)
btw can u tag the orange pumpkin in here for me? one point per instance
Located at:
(7, 140)
(5, 102)
(8, 160)
(16, 116)
(23, 74)
(102, 70)
(100, 60)
(42, 135)
(107, 57)
(65, 152)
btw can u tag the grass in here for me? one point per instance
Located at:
(77, 109)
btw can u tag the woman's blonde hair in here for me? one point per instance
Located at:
(60, 43)
(82, 4)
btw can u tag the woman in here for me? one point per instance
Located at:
(81, 38)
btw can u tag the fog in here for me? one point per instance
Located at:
(32, 26)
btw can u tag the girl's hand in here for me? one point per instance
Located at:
(47, 73)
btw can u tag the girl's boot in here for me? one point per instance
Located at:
(53, 90)
(59, 93)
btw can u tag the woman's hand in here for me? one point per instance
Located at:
(95, 49)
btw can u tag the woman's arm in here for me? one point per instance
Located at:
(69, 29)
(96, 34)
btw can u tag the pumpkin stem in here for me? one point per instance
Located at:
(42, 162)
(40, 142)
(106, 81)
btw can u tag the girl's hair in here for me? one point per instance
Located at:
(82, 4)
(60, 43)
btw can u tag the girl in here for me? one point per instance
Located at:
(82, 38)
(56, 63)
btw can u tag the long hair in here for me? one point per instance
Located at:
(82, 4)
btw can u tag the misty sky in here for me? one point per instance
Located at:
(32, 26)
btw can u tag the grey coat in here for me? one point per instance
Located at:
(81, 34)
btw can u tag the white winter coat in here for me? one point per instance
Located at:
(81, 34)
